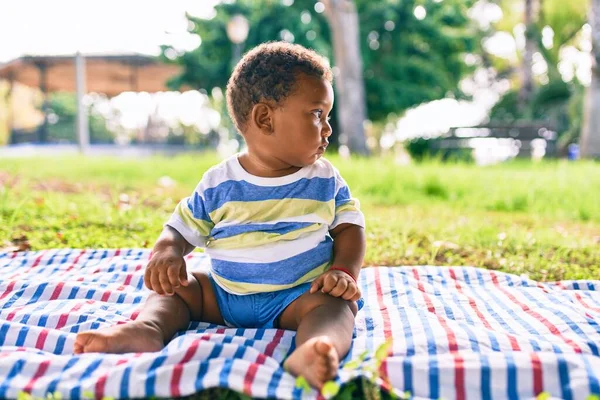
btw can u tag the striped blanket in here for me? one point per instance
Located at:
(457, 333)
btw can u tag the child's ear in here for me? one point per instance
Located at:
(262, 117)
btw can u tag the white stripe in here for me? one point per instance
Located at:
(271, 252)
(310, 218)
(227, 170)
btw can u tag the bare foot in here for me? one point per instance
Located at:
(133, 337)
(316, 360)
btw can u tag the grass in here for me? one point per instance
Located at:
(540, 219)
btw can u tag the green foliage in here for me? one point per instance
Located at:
(558, 102)
(416, 60)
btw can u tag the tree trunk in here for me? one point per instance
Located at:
(351, 104)
(527, 62)
(589, 140)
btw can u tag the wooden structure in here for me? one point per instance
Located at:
(108, 74)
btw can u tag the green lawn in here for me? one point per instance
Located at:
(542, 219)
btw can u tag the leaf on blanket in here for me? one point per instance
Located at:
(330, 389)
(302, 383)
(382, 351)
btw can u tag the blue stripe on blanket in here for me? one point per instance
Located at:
(458, 333)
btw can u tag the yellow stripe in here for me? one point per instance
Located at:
(201, 226)
(349, 206)
(271, 210)
(255, 239)
(250, 288)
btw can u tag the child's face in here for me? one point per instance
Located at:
(301, 126)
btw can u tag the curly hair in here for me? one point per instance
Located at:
(269, 73)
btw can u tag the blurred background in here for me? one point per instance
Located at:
(468, 128)
(482, 80)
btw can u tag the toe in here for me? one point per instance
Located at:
(323, 346)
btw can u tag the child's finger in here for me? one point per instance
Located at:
(316, 285)
(329, 283)
(147, 280)
(173, 275)
(339, 288)
(156, 283)
(350, 292)
(164, 283)
(183, 275)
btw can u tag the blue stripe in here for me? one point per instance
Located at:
(151, 374)
(279, 272)
(593, 377)
(202, 371)
(407, 369)
(280, 228)
(3, 332)
(54, 383)
(512, 383)
(434, 378)
(320, 189)
(563, 374)
(76, 391)
(406, 328)
(124, 385)
(15, 296)
(472, 338)
(423, 317)
(343, 196)
(274, 382)
(486, 382)
(22, 336)
(60, 344)
(14, 371)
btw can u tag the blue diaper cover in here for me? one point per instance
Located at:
(260, 310)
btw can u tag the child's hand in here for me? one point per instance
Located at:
(337, 284)
(166, 271)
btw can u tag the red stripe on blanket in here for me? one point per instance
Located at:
(551, 327)
(62, 320)
(513, 341)
(101, 382)
(41, 340)
(538, 379)
(178, 368)
(260, 360)
(583, 303)
(56, 293)
(459, 377)
(38, 374)
(9, 289)
(452, 343)
(387, 325)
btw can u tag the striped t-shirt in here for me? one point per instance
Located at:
(266, 234)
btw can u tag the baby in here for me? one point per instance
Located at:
(285, 237)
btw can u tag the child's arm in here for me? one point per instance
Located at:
(349, 245)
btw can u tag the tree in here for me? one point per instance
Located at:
(527, 62)
(590, 135)
(412, 50)
(343, 22)
(553, 99)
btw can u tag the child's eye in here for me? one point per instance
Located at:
(318, 113)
